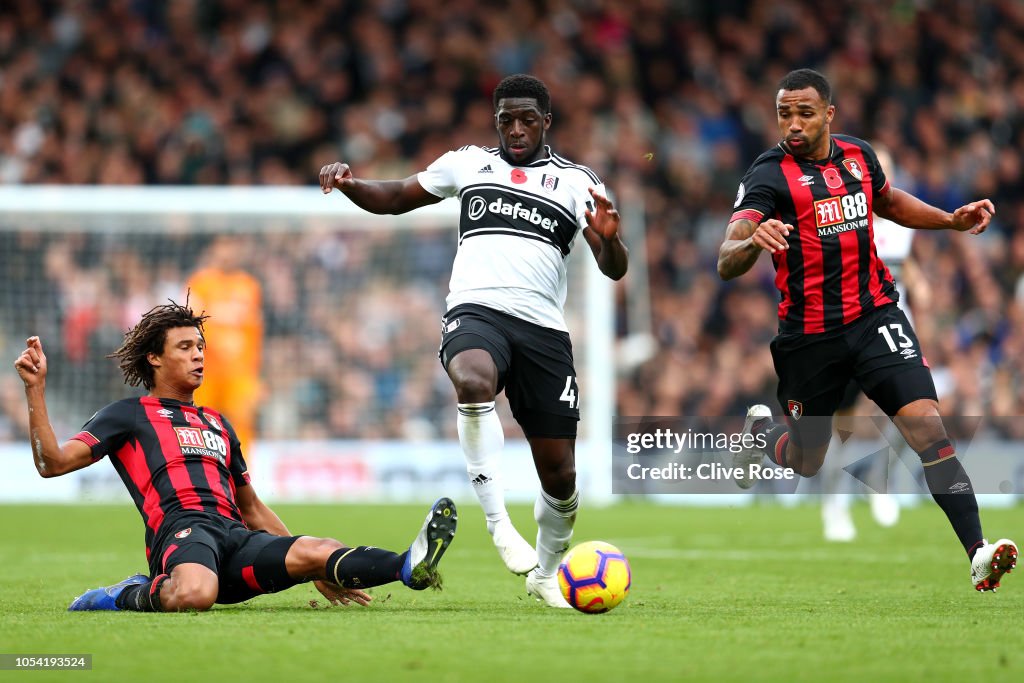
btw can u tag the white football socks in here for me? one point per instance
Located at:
(555, 520)
(482, 440)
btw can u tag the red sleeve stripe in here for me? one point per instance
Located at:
(86, 438)
(747, 214)
(885, 189)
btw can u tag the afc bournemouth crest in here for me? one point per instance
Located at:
(183, 533)
(854, 168)
(796, 409)
(214, 423)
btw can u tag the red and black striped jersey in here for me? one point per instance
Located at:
(831, 274)
(171, 456)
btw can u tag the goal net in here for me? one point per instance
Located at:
(348, 303)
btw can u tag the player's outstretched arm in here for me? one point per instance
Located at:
(909, 211)
(376, 196)
(744, 242)
(603, 237)
(50, 459)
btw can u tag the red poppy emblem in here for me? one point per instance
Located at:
(832, 178)
(518, 176)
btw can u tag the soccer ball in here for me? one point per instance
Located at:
(594, 577)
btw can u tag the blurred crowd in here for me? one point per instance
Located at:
(668, 101)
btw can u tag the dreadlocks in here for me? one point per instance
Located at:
(149, 336)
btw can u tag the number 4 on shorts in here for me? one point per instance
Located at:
(568, 393)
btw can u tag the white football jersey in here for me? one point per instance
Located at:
(517, 226)
(892, 241)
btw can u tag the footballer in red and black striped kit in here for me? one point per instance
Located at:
(830, 274)
(172, 457)
(209, 538)
(809, 203)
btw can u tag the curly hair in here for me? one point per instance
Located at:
(149, 336)
(523, 85)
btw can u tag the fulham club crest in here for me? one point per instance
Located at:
(854, 168)
(549, 182)
(796, 409)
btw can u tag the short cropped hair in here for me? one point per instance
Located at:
(807, 78)
(523, 85)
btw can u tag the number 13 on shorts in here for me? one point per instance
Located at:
(905, 341)
(570, 393)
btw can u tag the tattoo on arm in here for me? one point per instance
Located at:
(737, 254)
(37, 451)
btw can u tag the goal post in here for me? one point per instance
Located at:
(351, 308)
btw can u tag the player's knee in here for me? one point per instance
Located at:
(559, 480)
(807, 469)
(309, 553)
(474, 388)
(806, 462)
(191, 596)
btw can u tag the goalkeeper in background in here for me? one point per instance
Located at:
(233, 298)
(209, 538)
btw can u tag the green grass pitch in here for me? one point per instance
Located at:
(747, 594)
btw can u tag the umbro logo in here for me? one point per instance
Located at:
(806, 180)
(486, 169)
(481, 479)
(959, 487)
(164, 412)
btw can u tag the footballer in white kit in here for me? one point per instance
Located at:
(522, 207)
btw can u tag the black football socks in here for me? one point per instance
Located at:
(952, 490)
(364, 567)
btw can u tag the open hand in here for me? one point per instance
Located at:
(338, 595)
(604, 220)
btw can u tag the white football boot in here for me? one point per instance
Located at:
(835, 514)
(546, 590)
(753, 456)
(990, 563)
(518, 555)
(885, 509)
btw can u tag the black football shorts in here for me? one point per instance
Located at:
(879, 351)
(247, 563)
(535, 366)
